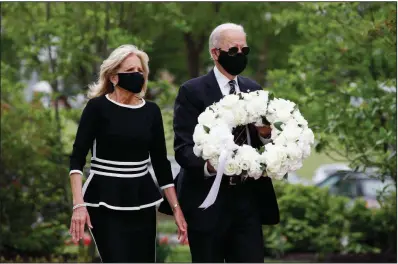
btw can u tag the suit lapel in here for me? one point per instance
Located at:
(243, 87)
(213, 91)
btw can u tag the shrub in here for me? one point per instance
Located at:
(311, 221)
(34, 208)
(315, 222)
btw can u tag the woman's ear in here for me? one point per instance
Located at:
(114, 79)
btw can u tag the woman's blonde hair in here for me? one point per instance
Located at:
(111, 65)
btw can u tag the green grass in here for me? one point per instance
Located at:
(167, 227)
(179, 254)
(313, 162)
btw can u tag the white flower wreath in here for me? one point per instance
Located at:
(291, 139)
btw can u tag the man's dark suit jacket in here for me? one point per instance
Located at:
(191, 184)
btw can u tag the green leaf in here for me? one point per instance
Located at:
(271, 96)
(261, 150)
(294, 109)
(207, 129)
(278, 125)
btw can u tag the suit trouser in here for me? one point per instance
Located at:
(237, 232)
(124, 236)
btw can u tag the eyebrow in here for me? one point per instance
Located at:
(131, 68)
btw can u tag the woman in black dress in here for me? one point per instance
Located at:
(124, 132)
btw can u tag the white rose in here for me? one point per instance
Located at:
(221, 134)
(279, 174)
(274, 156)
(291, 131)
(231, 167)
(229, 101)
(245, 156)
(299, 118)
(274, 132)
(227, 117)
(240, 114)
(255, 170)
(308, 136)
(248, 96)
(293, 166)
(199, 135)
(280, 110)
(280, 140)
(197, 150)
(207, 118)
(256, 108)
(256, 174)
(209, 151)
(263, 95)
(293, 151)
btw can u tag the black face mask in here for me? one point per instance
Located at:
(234, 65)
(131, 81)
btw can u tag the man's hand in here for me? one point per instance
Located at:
(210, 168)
(264, 131)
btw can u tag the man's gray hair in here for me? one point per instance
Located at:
(216, 35)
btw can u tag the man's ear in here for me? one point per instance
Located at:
(214, 54)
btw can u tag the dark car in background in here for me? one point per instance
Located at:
(357, 185)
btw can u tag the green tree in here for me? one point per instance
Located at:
(33, 175)
(343, 75)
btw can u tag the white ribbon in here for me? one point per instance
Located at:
(222, 160)
(212, 195)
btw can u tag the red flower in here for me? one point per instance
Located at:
(164, 240)
(86, 239)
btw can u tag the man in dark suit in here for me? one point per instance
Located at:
(230, 230)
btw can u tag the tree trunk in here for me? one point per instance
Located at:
(262, 65)
(195, 48)
(193, 56)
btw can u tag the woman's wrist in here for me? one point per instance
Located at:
(78, 201)
(78, 205)
(175, 207)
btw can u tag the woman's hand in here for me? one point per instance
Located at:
(79, 218)
(181, 224)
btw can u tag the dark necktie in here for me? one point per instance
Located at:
(240, 136)
(232, 87)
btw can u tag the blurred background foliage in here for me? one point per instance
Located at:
(337, 61)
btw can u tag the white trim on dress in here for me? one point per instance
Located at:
(119, 169)
(86, 183)
(126, 105)
(120, 175)
(76, 171)
(120, 162)
(167, 186)
(124, 208)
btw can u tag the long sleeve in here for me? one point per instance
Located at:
(84, 138)
(158, 152)
(186, 113)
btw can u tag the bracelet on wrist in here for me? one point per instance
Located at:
(78, 206)
(174, 207)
